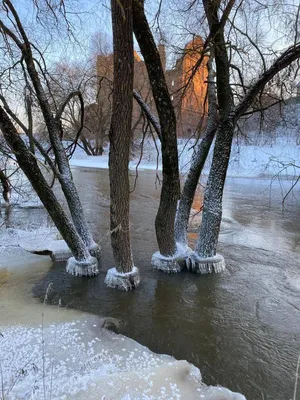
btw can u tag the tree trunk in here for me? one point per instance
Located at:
(198, 161)
(65, 177)
(120, 134)
(212, 207)
(6, 186)
(29, 166)
(170, 191)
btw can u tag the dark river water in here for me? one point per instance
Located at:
(241, 327)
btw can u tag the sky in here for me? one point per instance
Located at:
(70, 40)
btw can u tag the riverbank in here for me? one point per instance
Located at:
(276, 157)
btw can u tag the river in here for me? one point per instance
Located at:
(241, 327)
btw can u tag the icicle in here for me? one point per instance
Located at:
(123, 281)
(82, 268)
(206, 265)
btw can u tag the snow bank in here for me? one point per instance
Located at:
(79, 360)
(255, 157)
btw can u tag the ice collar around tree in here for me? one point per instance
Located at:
(122, 281)
(174, 263)
(82, 268)
(186, 257)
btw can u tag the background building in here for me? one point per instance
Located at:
(187, 86)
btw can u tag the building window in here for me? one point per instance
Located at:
(172, 97)
(173, 83)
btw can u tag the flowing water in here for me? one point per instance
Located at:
(241, 327)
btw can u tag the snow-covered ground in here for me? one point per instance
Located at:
(248, 159)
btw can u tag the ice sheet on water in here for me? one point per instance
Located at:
(79, 360)
(43, 239)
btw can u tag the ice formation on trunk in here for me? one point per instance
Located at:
(206, 265)
(95, 251)
(122, 280)
(174, 263)
(87, 267)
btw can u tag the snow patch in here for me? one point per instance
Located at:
(123, 281)
(82, 268)
(253, 157)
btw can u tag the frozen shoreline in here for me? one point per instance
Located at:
(80, 360)
(246, 161)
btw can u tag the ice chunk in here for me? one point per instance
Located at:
(174, 263)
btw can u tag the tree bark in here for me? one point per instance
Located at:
(198, 161)
(120, 134)
(28, 164)
(212, 206)
(65, 175)
(170, 191)
(6, 186)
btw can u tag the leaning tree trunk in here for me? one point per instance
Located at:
(212, 208)
(198, 161)
(205, 259)
(83, 263)
(170, 191)
(52, 124)
(124, 275)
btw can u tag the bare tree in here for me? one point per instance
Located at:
(205, 259)
(16, 41)
(197, 164)
(82, 263)
(124, 275)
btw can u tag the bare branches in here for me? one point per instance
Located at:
(150, 116)
(286, 58)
